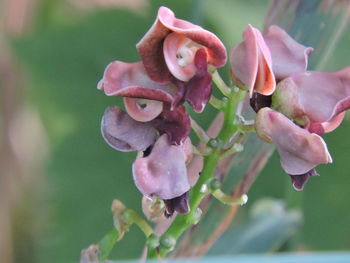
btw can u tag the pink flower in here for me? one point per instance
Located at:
(300, 151)
(177, 51)
(169, 48)
(251, 64)
(163, 173)
(288, 56)
(131, 80)
(315, 100)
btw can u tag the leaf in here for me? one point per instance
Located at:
(268, 227)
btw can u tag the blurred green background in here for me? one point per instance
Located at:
(58, 177)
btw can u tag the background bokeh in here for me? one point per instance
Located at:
(58, 177)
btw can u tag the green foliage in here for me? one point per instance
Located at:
(63, 65)
(269, 226)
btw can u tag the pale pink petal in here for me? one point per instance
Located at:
(172, 43)
(163, 172)
(125, 134)
(142, 109)
(288, 56)
(299, 150)
(251, 64)
(314, 99)
(150, 47)
(130, 80)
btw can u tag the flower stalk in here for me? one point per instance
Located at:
(183, 222)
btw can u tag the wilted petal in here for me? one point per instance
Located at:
(300, 180)
(130, 80)
(163, 172)
(150, 47)
(299, 150)
(125, 134)
(176, 123)
(288, 56)
(315, 99)
(142, 109)
(251, 64)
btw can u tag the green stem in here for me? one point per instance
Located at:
(132, 217)
(228, 199)
(221, 85)
(183, 222)
(216, 103)
(201, 134)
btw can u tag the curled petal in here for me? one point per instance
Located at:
(143, 110)
(314, 99)
(179, 53)
(125, 134)
(150, 47)
(251, 64)
(299, 150)
(288, 56)
(163, 172)
(176, 123)
(130, 80)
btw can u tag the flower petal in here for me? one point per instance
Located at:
(125, 134)
(299, 150)
(288, 56)
(130, 80)
(150, 47)
(300, 180)
(175, 123)
(163, 172)
(251, 64)
(142, 109)
(198, 89)
(315, 99)
(178, 204)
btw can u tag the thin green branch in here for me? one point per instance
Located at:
(220, 84)
(216, 103)
(201, 134)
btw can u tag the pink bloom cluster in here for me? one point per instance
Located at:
(176, 60)
(295, 107)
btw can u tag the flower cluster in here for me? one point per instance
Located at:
(177, 59)
(295, 107)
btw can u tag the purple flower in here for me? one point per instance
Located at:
(300, 151)
(317, 101)
(251, 64)
(177, 51)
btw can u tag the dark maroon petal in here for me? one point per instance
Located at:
(125, 134)
(175, 123)
(150, 46)
(300, 180)
(178, 204)
(198, 89)
(130, 80)
(258, 101)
